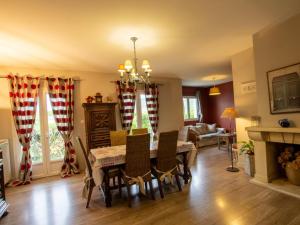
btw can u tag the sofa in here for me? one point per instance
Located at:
(204, 134)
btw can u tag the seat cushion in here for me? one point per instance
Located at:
(209, 135)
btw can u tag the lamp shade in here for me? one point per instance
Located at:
(229, 113)
(214, 91)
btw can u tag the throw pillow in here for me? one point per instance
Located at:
(201, 129)
(212, 128)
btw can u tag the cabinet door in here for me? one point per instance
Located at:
(100, 120)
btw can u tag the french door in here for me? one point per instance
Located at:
(47, 146)
(141, 117)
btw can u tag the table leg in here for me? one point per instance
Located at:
(185, 168)
(218, 142)
(107, 188)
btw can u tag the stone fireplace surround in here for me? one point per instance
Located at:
(266, 151)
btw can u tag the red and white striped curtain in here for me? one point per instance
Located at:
(126, 95)
(23, 97)
(61, 93)
(151, 92)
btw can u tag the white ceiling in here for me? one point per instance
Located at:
(192, 39)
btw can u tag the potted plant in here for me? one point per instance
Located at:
(247, 148)
(289, 159)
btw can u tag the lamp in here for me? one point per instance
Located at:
(131, 69)
(229, 113)
(214, 90)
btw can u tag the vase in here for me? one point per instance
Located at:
(292, 174)
(249, 165)
(284, 123)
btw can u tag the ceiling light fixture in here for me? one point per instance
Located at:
(214, 90)
(131, 69)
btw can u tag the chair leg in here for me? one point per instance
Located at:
(120, 186)
(114, 181)
(89, 196)
(160, 188)
(178, 182)
(129, 195)
(146, 187)
(151, 189)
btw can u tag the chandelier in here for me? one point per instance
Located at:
(130, 69)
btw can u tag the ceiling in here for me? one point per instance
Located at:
(192, 39)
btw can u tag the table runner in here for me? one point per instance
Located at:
(115, 155)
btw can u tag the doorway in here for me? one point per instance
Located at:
(47, 145)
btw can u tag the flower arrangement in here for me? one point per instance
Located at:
(289, 157)
(89, 99)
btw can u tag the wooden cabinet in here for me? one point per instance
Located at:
(100, 118)
(3, 204)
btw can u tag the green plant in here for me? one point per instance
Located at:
(247, 147)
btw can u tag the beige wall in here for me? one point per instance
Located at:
(274, 47)
(171, 113)
(243, 71)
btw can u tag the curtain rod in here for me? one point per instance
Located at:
(138, 83)
(41, 78)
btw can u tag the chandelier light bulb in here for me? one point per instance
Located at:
(128, 65)
(145, 64)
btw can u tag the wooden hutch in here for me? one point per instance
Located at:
(100, 119)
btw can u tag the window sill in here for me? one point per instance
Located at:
(191, 120)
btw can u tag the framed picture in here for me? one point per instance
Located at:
(284, 89)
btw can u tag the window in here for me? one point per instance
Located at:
(55, 143)
(141, 118)
(190, 108)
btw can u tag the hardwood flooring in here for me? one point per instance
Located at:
(214, 196)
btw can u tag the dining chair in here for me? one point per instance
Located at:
(89, 180)
(139, 131)
(137, 169)
(166, 162)
(118, 137)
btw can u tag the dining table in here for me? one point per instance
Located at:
(106, 159)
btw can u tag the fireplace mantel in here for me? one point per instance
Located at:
(266, 153)
(289, 135)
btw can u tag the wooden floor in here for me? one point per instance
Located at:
(214, 196)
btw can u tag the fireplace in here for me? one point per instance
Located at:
(268, 143)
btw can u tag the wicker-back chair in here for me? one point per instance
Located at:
(139, 131)
(118, 137)
(166, 165)
(137, 169)
(89, 181)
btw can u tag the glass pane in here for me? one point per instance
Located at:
(134, 121)
(185, 108)
(193, 108)
(36, 142)
(56, 142)
(145, 116)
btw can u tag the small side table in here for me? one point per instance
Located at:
(225, 137)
